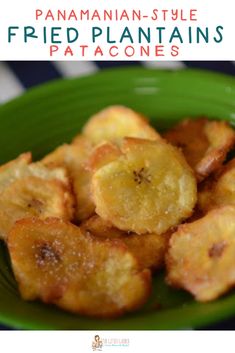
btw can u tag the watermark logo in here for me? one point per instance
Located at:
(99, 344)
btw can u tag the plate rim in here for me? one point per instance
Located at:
(106, 72)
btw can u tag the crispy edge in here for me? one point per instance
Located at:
(100, 118)
(215, 152)
(207, 193)
(24, 157)
(103, 154)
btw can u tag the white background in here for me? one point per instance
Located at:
(145, 341)
(22, 13)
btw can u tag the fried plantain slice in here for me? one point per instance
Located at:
(75, 271)
(40, 171)
(148, 189)
(201, 255)
(33, 196)
(82, 141)
(67, 154)
(116, 122)
(224, 187)
(103, 154)
(74, 158)
(22, 167)
(206, 200)
(100, 228)
(14, 169)
(204, 143)
(219, 191)
(148, 249)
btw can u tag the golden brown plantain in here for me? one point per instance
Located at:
(76, 272)
(14, 169)
(204, 143)
(219, 190)
(148, 189)
(149, 249)
(33, 196)
(201, 255)
(74, 158)
(116, 122)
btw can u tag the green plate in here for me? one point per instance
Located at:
(51, 114)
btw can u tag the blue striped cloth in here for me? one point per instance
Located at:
(17, 76)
